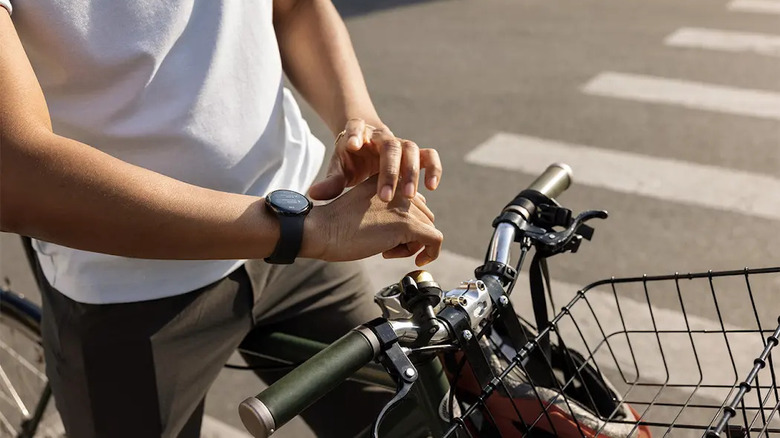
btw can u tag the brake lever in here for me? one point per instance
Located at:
(554, 242)
(401, 368)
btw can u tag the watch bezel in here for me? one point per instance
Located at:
(272, 201)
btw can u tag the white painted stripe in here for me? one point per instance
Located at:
(213, 428)
(730, 41)
(662, 178)
(696, 95)
(450, 269)
(758, 6)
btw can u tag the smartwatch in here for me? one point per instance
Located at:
(291, 209)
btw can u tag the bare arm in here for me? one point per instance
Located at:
(319, 60)
(66, 192)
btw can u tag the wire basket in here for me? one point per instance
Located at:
(683, 355)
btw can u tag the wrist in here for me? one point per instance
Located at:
(315, 235)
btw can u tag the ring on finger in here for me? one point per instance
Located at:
(338, 137)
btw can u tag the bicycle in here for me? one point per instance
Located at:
(463, 363)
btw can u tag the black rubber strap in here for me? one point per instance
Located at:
(290, 238)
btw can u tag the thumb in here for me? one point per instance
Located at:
(328, 188)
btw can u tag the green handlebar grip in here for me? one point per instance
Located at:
(304, 385)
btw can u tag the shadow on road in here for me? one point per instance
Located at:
(352, 8)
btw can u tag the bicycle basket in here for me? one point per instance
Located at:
(674, 348)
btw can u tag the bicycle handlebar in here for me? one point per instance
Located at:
(549, 185)
(304, 385)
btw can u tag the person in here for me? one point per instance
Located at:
(138, 142)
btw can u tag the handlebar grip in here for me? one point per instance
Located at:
(553, 181)
(290, 395)
(546, 187)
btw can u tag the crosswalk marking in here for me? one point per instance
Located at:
(758, 6)
(662, 178)
(730, 41)
(689, 94)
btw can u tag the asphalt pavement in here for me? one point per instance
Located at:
(676, 104)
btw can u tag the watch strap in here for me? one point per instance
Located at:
(290, 239)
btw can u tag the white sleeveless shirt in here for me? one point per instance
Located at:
(191, 89)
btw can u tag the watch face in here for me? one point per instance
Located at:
(288, 203)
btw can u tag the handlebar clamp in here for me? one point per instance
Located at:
(504, 272)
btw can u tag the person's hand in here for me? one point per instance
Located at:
(358, 225)
(363, 150)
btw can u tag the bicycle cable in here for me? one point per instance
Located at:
(523, 252)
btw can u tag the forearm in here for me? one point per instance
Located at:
(65, 192)
(319, 60)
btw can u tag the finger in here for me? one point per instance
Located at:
(430, 161)
(354, 133)
(368, 132)
(403, 250)
(422, 197)
(432, 249)
(410, 167)
(328, 188)
(333, 184)
(389, 163)
(422, 206)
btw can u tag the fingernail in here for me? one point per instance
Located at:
(409, 190)
(433, 182)
(354, 142)
(386, 194)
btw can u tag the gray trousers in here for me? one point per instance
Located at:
(143, 369)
